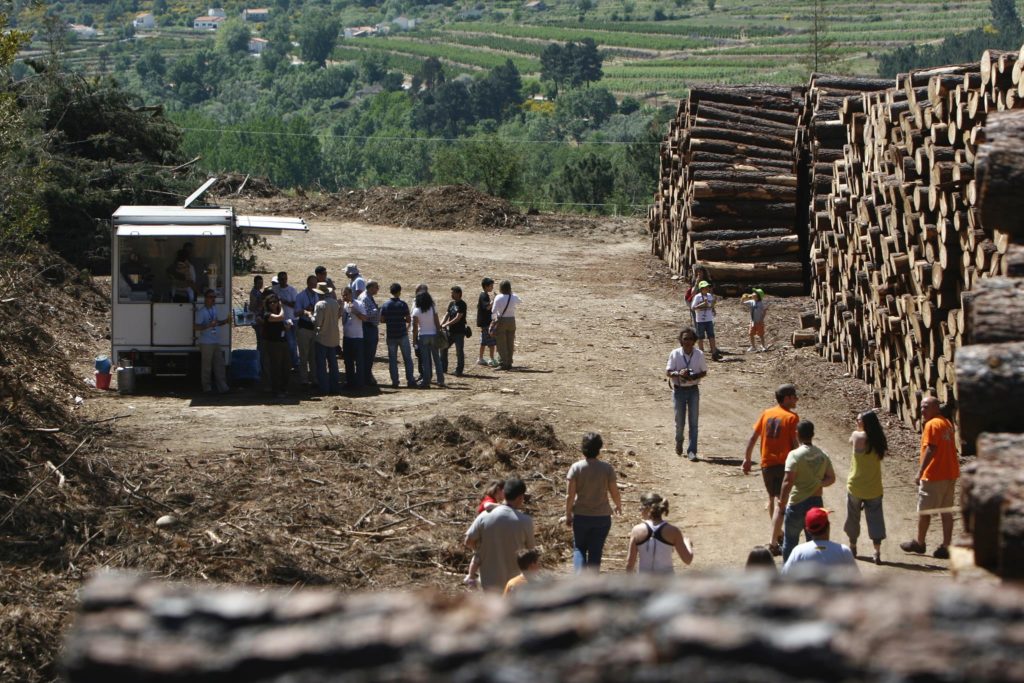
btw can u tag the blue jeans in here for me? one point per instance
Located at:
(353, 353)
(459, 342)
(686, 401)
(293, 345)
(393, 346)
(371, 334)
(430, 357)
(327, 376)
(588, 535)
(794, 524)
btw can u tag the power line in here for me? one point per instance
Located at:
(366, 138)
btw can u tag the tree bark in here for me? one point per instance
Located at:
(754, 272)
(994, 311)
(747, 249)
(721, 189)
(993, 504)
(990, 385)
(1000, 173)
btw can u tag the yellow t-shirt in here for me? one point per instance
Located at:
(865, 480)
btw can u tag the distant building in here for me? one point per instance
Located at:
(207, 22)
(82, 31)
(382, 29)
(216, 12)
(256, 14)
(535, 6)
(360, 31)
(404, 23)
(470, 14)
(144, 20)
(257, 45)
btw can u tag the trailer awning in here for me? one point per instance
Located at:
(270, 225)
(162, 215)
(171, 231)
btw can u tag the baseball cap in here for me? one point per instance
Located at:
(703, 284)
(759, 292)
(351, 269)
(816, 520)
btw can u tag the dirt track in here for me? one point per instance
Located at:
(599, 319)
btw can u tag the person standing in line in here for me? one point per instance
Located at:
(287, 295)
(755, 302)
(808, 471)
(685, 369)
(305, 331)
(211, 356)
(703, 306)
(276, 343)
(483, 321)
(503, 312)
(454, 324)
(652, 541)
(777, 430)
(321, 277)
(371, 331)
(352, 345)
(328, 337)
(591, 482)
(395, 316)
(936, 478)
(700, 274)
(864, 485)
(256, 308)
(819, 552)
(498, 535)
(355, 280)
(426, 326)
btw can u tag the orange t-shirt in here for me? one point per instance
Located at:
(944, 466)
(777, 427)
(515, 583)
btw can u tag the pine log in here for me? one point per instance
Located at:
(804, 338)
(747, 210)
(731, 235)
(729, 173)
(780, 289)
(990, 389)
(719, 189)
(746, 151)
(999, 173)
(745, 250)
(993, 504)
(994, 311)
(745, 135)
(753, 272)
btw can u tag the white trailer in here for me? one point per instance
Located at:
(162, 259)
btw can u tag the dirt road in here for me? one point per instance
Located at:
(600, 316)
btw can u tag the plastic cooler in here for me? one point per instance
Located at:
(245, 365)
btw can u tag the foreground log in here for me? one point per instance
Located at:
(754, 627)
(993, 504)
(1000, 173)
(990, 382)
(994, 311)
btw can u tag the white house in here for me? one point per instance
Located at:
(216, 12)
(404, 23)
(536, 6)
(360, 31)
(207, 23)
(82, 31)
(256, 14)
(258, 45)
(144, 20)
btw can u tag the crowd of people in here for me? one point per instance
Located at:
(305, 333)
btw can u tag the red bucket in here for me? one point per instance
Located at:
(102, 380)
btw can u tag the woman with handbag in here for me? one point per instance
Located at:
(455, 328)
(503, 322)
(427, 335)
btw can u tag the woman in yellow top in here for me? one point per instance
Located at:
(864, 485)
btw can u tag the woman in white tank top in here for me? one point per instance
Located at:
(652, 542)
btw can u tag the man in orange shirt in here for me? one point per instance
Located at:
(777, 430)
(936, 478)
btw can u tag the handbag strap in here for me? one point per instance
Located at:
(507, 302)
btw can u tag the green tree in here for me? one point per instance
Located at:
(498, 93)
(822, 51)
(233, 37)
(492, 166)
(1007, 22)
(318, 34)
(580, 110)
(587, 180)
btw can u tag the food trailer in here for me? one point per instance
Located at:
(162, 260)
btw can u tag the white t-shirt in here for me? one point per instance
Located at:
(290, 294)
(500, 301)
(704, 315)
(425, 320)
(678, 360)
(818, 555)
(353, 325)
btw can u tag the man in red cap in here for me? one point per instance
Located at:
(819, 550)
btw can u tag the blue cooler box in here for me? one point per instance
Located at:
(245, 365)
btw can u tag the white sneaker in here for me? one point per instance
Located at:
(751, 350)
(482, 362)
(762, 349)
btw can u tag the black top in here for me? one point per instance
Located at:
(273, 331)
(454, 309)
(483, 310)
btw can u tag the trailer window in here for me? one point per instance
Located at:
(169, 269)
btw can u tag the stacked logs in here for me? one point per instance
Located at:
(900, 238)
(990, 367)
(728, 190)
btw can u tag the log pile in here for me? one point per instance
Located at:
(744, 628)
(900, 238)
(728, 190)
(990, 367)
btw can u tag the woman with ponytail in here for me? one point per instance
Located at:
(864, 485)
(652, 541)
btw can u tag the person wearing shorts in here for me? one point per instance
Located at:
(776, 428)
(483, 321)
(755, 302)
(703, 306)
(936, 478)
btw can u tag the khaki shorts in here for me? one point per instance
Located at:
(932, 495)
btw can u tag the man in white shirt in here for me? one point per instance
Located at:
(287, 294)
(685, 369)
(371, 331)
(819, 552)
(355, 281)
(211, 355)
(703, 305)
(305, 330)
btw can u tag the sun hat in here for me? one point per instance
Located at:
(760, 292)
(816, 520)
(702, 284)
(324, 288)
(351, 269)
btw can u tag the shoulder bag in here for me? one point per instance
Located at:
(440, 340)
(493, 329)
